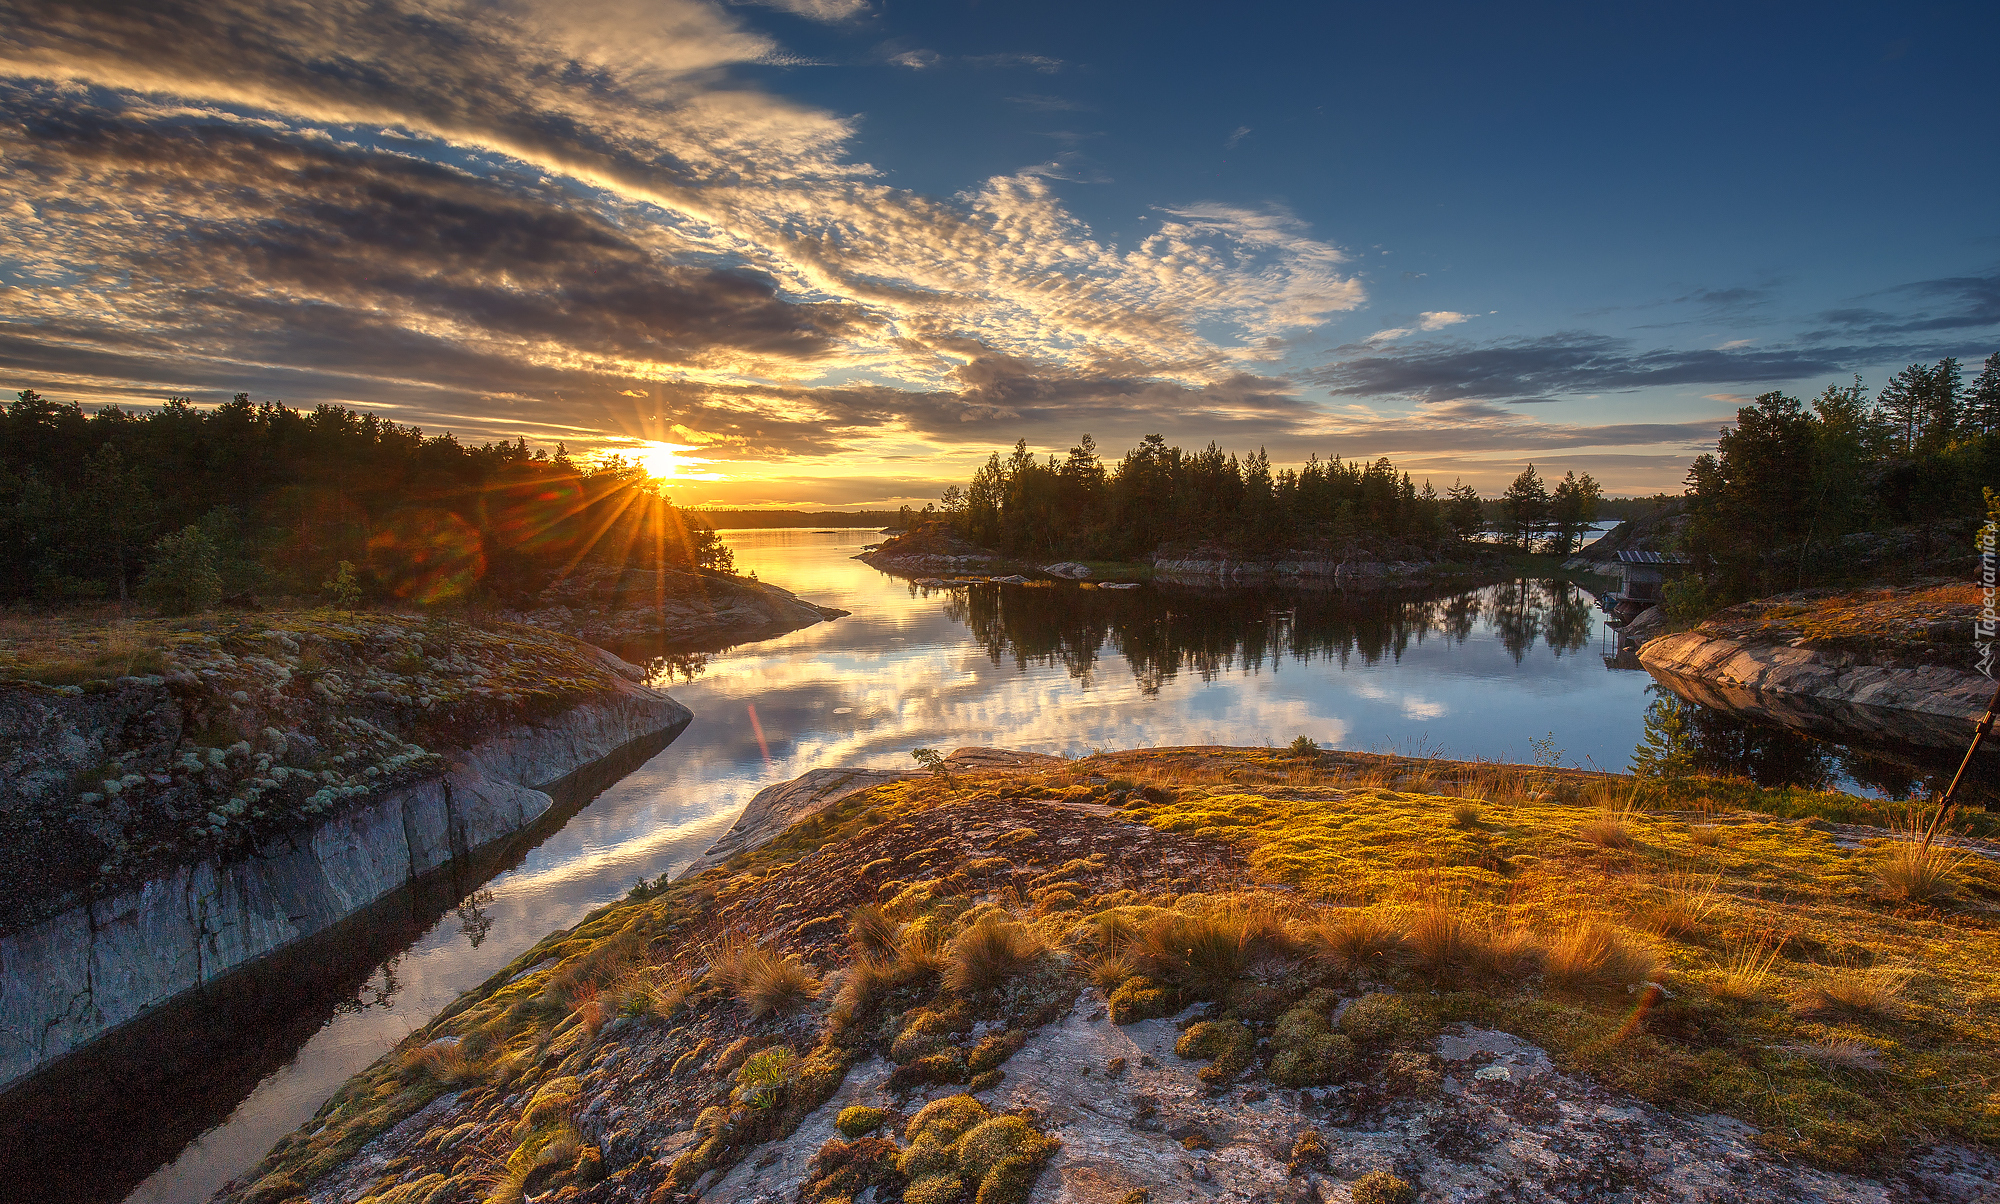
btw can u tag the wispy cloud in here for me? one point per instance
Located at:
(1433, 320)
(1242, 132)
(509, 216)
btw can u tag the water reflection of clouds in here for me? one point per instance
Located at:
(1066, 671)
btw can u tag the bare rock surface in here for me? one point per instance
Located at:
(778, 807)
(1502, 1124)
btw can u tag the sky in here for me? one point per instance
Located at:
(838, 251)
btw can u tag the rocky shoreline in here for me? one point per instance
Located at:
(72, 978)
(1882, 666)
(630, 609)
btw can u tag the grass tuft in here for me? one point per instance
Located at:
(763, 980)
(1595, 955)
(989, 953)
(1357, 939)
(1917, 869)
(1851, 990)
(870, 933)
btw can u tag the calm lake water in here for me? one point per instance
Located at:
(177, 1109)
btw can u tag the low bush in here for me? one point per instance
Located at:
(1384, 1020)
(1381, 1187)
(1224, 1044)
(1305, 1051)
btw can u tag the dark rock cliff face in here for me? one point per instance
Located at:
(76, 975)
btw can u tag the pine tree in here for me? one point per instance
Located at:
(1462, 511)
(182, 578)
(1982, 402)
(1525, 506)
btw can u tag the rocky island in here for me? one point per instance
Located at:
(1209, 974)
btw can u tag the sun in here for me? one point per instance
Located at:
(661, 460)
(670, 462)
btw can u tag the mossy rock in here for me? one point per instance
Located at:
(1381, 1187)
(1141, 998)
(859, 1120)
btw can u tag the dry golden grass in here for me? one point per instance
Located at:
(1467, 814)
(1206, 951)
(1916, 869)
(1839, 1053)
(1607, 831)
(989, 953)
(1852, 990)
(870, 933)
(1705, 836)
(1689, 900)
(1511, 952)
(443, 1062)
(761, 979)
(1440, 938)
(1594, 955)
(1358, 939)
(1746, 976)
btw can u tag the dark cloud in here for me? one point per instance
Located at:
(1569, 363)
(1949, 303)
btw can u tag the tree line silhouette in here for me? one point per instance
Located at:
(1158, 496)
(184, 505)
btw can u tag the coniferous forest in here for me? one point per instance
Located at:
(1159, 496)
(181, 506)
(1797, 494)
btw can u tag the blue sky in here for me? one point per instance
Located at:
(842, 248)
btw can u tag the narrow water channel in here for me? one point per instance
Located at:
(178, 1106)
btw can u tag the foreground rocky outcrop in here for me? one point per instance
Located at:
(1878, 666)
(1123, 979)
(272, 779)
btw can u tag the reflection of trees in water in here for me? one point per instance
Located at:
(668, 667)
(1770, 755)
(1165, 632)
(379, 991)
(472, 918)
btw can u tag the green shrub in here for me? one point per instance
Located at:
(859, 1120)
(1383, 1020)
(1306, 1052)
(182, 579)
